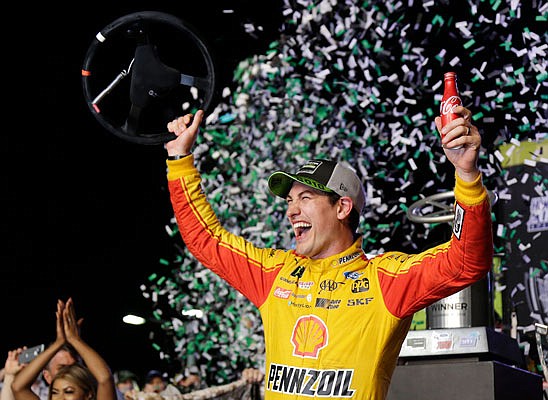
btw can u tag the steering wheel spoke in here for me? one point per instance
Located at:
(194, 81)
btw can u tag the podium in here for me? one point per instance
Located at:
(475, 363)
(472, 380)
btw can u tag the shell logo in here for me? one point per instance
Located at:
(309, 336)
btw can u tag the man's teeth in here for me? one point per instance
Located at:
(300, 227)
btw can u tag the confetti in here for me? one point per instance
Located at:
(359, 82)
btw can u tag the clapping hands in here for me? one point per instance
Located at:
(68, 327)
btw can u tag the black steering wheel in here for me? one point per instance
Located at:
(171, 74)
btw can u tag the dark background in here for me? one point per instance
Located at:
(83, 211)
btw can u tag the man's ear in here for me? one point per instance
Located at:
(344, 207)
(47, 376)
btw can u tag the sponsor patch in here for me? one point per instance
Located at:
(458, 221)
(442, 341)
(359, 302)
(352, 274)
(298, 272)
(282, 293)
(307, 296)
(328, 303)
(416, 343)
(305, 285)
(360, 286)
(329, 285)
(308, 382)
(309, 336)
(298, 305)
(538, 215)
(310, 167)
(349, 257)
(290, 281)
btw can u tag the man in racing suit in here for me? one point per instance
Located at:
(334, 319)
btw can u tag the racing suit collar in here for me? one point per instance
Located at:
(341, 259)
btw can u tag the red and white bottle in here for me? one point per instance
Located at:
(450, 99)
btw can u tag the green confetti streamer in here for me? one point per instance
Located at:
(469, 43)
(285, 115)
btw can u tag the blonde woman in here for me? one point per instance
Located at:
(73, 382)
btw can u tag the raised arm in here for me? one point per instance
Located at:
(93, 361)
(22, 383)
(461, 132)
(11, 368)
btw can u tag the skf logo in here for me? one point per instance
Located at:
(360, 286)
(298, 272)
(359, 302)
(309, 336)
(459, 220)
(282, 293)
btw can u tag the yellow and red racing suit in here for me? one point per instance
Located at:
(334, 327)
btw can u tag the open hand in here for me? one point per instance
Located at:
(12, 365)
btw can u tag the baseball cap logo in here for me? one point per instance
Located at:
(310, 167)
(312, 183)
(343, 187)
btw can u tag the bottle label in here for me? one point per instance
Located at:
(448, 105)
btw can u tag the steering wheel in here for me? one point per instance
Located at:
(171, 73)
(433, 209)
(438, 207)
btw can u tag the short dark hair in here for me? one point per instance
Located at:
(69, 349)
(354, 217)
(153, 373)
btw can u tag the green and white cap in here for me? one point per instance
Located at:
(325, 175)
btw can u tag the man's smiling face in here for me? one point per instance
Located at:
(314, 220)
